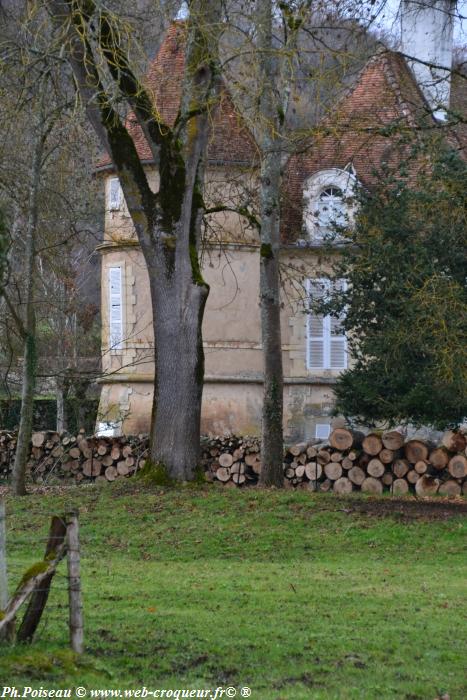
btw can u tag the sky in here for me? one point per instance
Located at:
(388, 20)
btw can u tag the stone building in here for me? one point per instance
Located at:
(318, 183)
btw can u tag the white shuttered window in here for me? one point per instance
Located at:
(326, 342)
(115, 308)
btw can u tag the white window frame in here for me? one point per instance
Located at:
(115, 338)
(344, 180)
(115, 202)
(326, 336)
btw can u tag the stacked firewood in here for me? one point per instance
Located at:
(7, 452)
(350, 461)
(75, 457)
(231, 460)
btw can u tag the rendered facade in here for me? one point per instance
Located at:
(318, 186)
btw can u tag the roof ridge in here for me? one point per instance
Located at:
(347, 92)
(394, 83)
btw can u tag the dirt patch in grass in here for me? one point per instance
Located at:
(426, 509)
(406, 508)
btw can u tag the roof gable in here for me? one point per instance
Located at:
(359, 131)
(384, 90)
(229, 139)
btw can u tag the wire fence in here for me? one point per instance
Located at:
(40, 582)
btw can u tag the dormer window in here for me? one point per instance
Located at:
(330, 211)
(328, 202)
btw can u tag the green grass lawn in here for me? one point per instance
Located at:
(296, 595)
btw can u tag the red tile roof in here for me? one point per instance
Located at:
(385, 95)
(229, 141)
(459, 106)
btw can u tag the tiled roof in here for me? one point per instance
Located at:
(384, 95)
(229, 141)
(459, 106)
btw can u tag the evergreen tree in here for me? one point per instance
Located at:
(405, 263)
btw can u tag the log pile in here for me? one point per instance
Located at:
(75, 457)
(234, 461)
(347, 462)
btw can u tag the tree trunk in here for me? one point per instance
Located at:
(28, 328)
(272, 432)
(18, 481)
(179, 357)
(60, 398)
(273, 387)
(167, 224)
(8, 633)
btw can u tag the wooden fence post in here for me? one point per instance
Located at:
(40, 595)
(8, 633)
(74, 582)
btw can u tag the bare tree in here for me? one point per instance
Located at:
(271, 111)
(43, 189)
(26, 322)
(167, 223)
(299, 56)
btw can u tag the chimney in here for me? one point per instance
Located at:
(427, 28)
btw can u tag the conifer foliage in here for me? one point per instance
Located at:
(405, 261)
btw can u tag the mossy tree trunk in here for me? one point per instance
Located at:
(276, 66)
(167, 223)
(271, 151)
(26, 319)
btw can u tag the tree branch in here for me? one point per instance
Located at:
(73, 17)
(16, 317)
(241, 211)
(155, 130)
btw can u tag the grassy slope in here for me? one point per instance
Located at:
(292, 594)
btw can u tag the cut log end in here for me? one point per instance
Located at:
(457, 466)
(372, 485)
(416, 451)
(333, 470)
(399, 487)
(343, 485)
(375, 468)
(372, 444)
(426, 486)
(450, 488)
(341, 439)
(392, 440)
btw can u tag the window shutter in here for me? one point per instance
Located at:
(115, 194)
(316, 327)
(326, 341)
(337, 340)
(115, 308)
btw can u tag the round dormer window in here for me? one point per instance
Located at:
(327, 202)
(331, 210)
